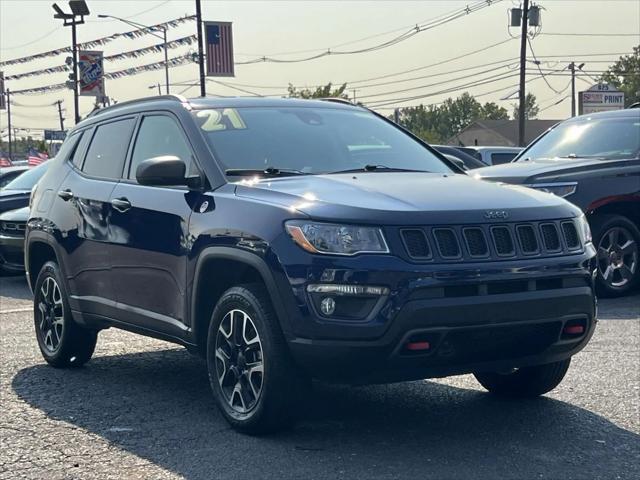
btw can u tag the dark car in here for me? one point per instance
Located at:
(7, 174)
(287, 239)
(16, 193)
(594, 162)
(12, 228)
(463, 158)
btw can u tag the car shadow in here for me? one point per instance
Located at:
(157, 405)
(14, 286)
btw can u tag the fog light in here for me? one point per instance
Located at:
(348, 290)
(328, 306)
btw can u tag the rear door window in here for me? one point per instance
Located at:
(108, 150)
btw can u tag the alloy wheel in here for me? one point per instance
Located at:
(51, 312)
(617, 257)
(239, 361)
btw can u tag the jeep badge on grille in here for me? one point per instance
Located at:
(496, 215)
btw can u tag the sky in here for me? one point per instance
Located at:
(595, 32)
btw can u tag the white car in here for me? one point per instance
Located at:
(495, 155)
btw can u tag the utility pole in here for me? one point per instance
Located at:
(8, 93)
(572, 67)
(203, 91)
(396, 115)
(523, 65)
(354, 95)
(59, 102)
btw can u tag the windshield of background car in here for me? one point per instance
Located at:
(605, 138)
(28, 179)
(311, 140)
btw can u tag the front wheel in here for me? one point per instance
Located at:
(256, 385)
(617, 241)
(525, 382)
(62, 342)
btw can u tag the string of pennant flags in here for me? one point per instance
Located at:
(118, 56)
(131, 35)
(172, 62)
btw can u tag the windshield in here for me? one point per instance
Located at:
(28, 179)
(310, 140)
(586, 137)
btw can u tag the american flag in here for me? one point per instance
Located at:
(5, 161)
(219, 44)
(34, 157)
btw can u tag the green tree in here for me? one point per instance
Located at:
(625, 76)
(491, 111)
(325, 91)
(437, 124)
(531, 108)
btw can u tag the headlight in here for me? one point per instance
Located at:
(559, 189)
(584, 229)
(337, 239)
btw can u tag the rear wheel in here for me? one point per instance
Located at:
(62, 342)
(617, 241)
(254, 380)
(525, 382)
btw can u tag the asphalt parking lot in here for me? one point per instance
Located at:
(142, 409)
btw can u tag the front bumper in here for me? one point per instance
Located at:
(12, 253)
(475, 317)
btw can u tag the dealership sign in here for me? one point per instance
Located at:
(600, 98)
(55, 135)
(91, 78)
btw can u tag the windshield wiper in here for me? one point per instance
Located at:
(378, 168)
(267, 172)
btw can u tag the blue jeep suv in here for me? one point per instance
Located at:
(286, 240)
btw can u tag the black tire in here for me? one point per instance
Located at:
(281, 384)
(75, 345)
(615, 284)
(525, 382)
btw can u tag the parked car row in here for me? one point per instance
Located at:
(14, 213)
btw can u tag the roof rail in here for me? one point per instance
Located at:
(337, 100)
(157, 98)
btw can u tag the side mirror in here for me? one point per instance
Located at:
(162, 171)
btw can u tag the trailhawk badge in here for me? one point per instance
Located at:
(496, 215)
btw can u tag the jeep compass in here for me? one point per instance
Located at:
(285, 240)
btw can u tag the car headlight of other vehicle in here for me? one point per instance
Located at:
(559, 189)
(584, 229)
(337, 239)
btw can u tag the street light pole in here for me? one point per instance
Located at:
(78, 9)
(163, 37)
(74, 54)
(203, 90)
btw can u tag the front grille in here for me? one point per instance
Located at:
(550, 237)
(481, 243)
(415, 241)
(15, 229)
(503, 241)
(476, 243)
(570, 235)
(528, 239)
(447, 242)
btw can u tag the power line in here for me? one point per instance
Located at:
(394, 41)
(538, 65)
(573, 34)
(32, 41)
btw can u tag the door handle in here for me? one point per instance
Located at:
(121, 204)
(65, 195)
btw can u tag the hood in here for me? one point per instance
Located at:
(19, 215)
(404, 198)
(12, 199)
(13, 193)
(545, 169)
